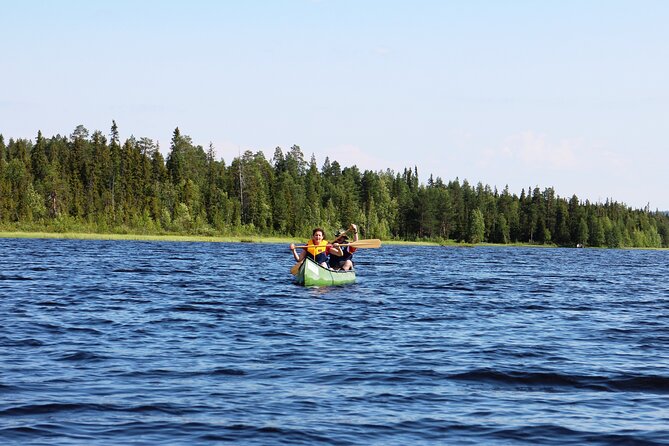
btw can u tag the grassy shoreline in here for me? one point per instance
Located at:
(143, 237)
(253, 239)
(179, 238)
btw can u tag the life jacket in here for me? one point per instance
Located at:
(347, 252)
(317, 252)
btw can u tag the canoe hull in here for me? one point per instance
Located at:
(312, 274)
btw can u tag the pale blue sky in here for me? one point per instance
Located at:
(569, 94)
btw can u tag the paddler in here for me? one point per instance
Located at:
(317, 249)
(343, 261)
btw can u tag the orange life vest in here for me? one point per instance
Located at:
(317, 252)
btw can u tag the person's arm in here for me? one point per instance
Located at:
(295, 255)
(354, 228)
(335, 249)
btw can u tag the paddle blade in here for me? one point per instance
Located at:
(296, 268)
(369, 243)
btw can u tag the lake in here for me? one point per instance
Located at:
(128, 342)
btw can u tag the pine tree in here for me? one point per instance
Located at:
(38, 158)
(477, 227)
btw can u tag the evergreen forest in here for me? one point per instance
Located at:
(96, 183)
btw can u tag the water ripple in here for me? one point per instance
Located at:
(188, 343)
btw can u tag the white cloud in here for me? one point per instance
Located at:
(537, 151)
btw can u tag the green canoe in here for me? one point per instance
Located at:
(312, 274)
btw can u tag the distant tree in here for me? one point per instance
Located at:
(596, 234)
(313, 189)
(583, 233)
(502, 231)
(5, 189)
(38, 158)
(18, 179)
(562, 235)
(477, 227)
(176, 158)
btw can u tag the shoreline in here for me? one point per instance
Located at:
(178, 238)
(143, 237)
(259, 239)
(183, 238)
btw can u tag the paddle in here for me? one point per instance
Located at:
(369, 243)
(296, 267)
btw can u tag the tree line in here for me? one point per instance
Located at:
(94, 182)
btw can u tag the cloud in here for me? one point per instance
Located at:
(537, 151)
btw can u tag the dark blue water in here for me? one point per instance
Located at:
(107, 342)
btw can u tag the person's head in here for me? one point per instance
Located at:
(340, 236)
(317, 235)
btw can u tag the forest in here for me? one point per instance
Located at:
(96, 183)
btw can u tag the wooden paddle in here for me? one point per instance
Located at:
(369, 243)
(296, 268)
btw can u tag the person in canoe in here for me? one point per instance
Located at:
(317, 249)
(343, 261)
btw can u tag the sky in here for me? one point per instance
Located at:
(568, 94)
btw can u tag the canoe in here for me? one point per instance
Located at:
(312, 274)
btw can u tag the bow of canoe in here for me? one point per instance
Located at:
(312, 274)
